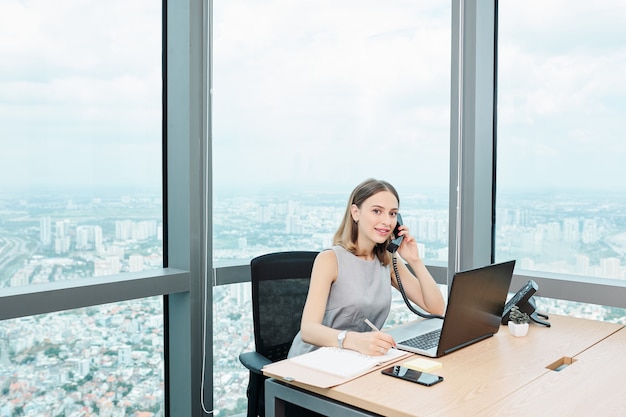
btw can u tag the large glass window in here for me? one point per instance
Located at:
(104, 360)
(80, 196)
(561, 98)
(309, 99)
(80, 125)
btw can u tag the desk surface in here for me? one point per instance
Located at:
(478, 378)
(590, 386)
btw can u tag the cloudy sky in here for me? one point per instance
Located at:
(332, 92)
(310, 92)
(562, 93)
(79, 92)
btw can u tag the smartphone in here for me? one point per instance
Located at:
(412, 375)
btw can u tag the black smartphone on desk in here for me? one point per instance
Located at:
(422, 378)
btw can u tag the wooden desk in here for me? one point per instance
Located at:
(476, 377)
(593, 385)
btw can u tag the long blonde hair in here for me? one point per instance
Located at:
(348, 232)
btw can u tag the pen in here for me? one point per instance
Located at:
(369, 323)
(376, 329)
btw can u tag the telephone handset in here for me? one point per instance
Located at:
(525, 301)
(393, 247)
(397, 240)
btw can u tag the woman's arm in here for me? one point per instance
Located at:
(323, 275)
(420, 288)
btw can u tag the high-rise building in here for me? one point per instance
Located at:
(45, 230)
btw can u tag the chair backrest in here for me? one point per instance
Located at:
(280, 284)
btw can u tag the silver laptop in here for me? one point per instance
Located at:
(474, 313)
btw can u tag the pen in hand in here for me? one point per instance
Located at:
(376, 329)
(369, 323)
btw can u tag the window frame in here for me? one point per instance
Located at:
(473, 145)
(186, 198)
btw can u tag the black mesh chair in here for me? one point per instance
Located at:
(280, 283)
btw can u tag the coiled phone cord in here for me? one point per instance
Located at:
(405, 298)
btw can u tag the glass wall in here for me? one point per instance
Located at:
(309, 99)
(80, 121)
(561, 97)
(104, 360)
(80, 197)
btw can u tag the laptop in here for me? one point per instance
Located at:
(474, 313)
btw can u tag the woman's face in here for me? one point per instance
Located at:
(376, 217)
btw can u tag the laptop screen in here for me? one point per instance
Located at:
(476, 304)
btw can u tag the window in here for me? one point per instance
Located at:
(560, 146)
(309, 99)
(80, 172)
(80, 195)
(104, 360)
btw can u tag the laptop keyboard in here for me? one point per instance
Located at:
(425, 341)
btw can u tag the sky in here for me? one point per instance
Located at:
(367, 88)
(310, 92)
(562, 93)
(332, 98)
(80, 96)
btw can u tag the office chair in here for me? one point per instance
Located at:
(280, 283)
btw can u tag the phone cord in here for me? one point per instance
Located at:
(405, 298)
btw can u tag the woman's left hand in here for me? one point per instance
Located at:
(408, 248)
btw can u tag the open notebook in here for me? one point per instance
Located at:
(344, 363)
(329, 366)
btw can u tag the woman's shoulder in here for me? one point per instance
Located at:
(342, 256)
(338, 250)
(327, 255)
(337, 254)
(326, 265)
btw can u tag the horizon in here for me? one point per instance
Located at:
(295, 187)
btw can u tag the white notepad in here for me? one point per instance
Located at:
(344, 362)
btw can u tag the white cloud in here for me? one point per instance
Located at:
(562, 94)
(80, 90)
(314, 89)
(338, 87)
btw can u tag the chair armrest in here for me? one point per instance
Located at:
(254, 361)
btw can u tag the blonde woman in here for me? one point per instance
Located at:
(351, 282)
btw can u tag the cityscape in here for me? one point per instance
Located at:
(108, 360)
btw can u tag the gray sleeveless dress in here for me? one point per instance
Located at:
(361, 291)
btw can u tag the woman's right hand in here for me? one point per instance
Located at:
(369, 343)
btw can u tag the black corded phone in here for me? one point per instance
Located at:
(526, 303)
(393, 247)
(397, 240)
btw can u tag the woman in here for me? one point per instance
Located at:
(351, 282)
